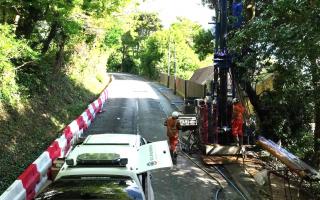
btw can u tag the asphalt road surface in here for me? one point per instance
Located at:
(136, 106)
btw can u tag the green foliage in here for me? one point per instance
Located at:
(143, 46)
(101, 8)
(52, 64)
(284, 39)
(53, 60)
(129, 65)
(127, 42)
(145, 24)
(210, 3)
(203, 43)
(178, 39)
(181, 43)
(153, 53)
(114, 62)
(12, 51)
(113, 37)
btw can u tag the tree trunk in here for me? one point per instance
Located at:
(317, 134)
(28, 21)
(25, 28)
(123, 57)
(4, 13)
(60, 54)
(51, 35)
(262, 112)
(316, 85)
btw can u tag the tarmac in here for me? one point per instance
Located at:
(177, 102)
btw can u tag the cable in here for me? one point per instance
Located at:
(217, 193)
(205, 171)
(230, 182)
(220, 172)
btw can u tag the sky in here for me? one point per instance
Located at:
(170, 9)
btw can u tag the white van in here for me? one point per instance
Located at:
(109, 166)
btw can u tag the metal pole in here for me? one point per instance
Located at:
(224, 23)
(175, 68)
(168, 80)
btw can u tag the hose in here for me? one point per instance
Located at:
(205, 171)
(220, 172)
(230, 182)
(217, 193)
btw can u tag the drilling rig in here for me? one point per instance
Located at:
(223, 88)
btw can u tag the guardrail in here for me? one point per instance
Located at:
(34, 177)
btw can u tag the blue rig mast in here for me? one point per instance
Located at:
(226, 11)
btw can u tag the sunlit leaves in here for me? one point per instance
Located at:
(102, 8)
(179, 40)
(11, 49)
(113, 37)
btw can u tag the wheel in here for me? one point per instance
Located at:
(183, 145)
(192, 143)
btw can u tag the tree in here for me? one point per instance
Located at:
(11, 51)
(180, 38)
(128, 42)
(203, 43)
(285, 44)
(144, 25)
(210, 3)
(140, 26)
(102, 8)
(153, 53)
(52, 61)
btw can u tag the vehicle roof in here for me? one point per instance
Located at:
(111, 138)
(93, 171)
(126, 145)
(97, 155)
(124, 151)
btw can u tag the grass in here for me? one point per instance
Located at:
(28, 127)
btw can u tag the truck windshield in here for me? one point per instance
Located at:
(111, 188)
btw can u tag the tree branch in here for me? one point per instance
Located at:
(24, 64)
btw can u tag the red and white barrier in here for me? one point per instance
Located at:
(32, 180)
(62, 142)
(92, 109)
(16, 191)
(30, 177)
(43, 163)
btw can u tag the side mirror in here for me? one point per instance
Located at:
(123, 161)
(80, 140)
(70, 162)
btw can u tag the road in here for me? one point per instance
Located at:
(136, 106)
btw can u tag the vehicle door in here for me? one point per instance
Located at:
(155, 155)
(145, 181)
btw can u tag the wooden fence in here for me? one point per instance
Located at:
(184, 88)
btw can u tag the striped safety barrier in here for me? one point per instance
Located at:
(34, 177)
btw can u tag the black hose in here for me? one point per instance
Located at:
(220, 172)
(217, 193)
(230, 182)
(205, 171)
